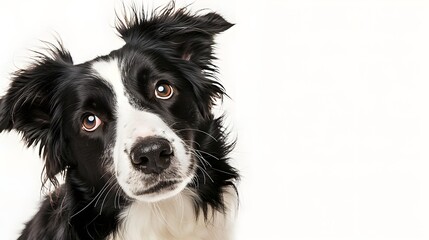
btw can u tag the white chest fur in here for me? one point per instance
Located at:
(175, 218)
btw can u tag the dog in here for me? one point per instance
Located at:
(132, 133)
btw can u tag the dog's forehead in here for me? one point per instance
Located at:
(115, 73)
(109, 71)
(123, 68)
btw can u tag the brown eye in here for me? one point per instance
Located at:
(163, 91)
(90, 122)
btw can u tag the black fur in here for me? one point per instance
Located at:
(45, 103)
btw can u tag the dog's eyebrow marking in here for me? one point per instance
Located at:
(111, 73)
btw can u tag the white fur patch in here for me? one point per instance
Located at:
(174, 219)
(133, 124)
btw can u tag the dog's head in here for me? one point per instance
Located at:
(131, 116)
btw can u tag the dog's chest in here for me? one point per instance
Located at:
(170, 219)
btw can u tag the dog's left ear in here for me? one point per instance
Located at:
(193, 37)
(190, 36)
(31, 107)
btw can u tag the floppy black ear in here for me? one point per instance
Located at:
(191, 35)
(30, 107)
(192, 38)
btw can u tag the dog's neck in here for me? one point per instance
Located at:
(175, 218)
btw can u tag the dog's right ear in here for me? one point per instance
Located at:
(31, 107)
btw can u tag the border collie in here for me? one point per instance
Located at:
(132, 132)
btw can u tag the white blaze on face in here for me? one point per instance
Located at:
(133, 124)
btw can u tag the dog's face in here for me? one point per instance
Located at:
(128, 117)
(154, 114)
(133, 118)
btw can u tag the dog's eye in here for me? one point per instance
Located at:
(163, 90)
(90, 122)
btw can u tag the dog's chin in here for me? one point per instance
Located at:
(159, 191)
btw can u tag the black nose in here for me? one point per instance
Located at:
(152, 154)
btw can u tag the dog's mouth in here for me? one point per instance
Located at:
(153, 186)
(160, 187)
(159, 190)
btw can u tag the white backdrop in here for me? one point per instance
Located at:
(329, 103)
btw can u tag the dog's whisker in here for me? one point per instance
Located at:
(208, 175)
(202, 160)
(199, 158)
(105, 197)
(205, 173)
(211, 155)
(222, 171)
(192, 142)
(116, 200)
(87, 225)
(104, 174)
(204, 176)
(174, 123)
(197, 130)
(87, 231)
(105, 185)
